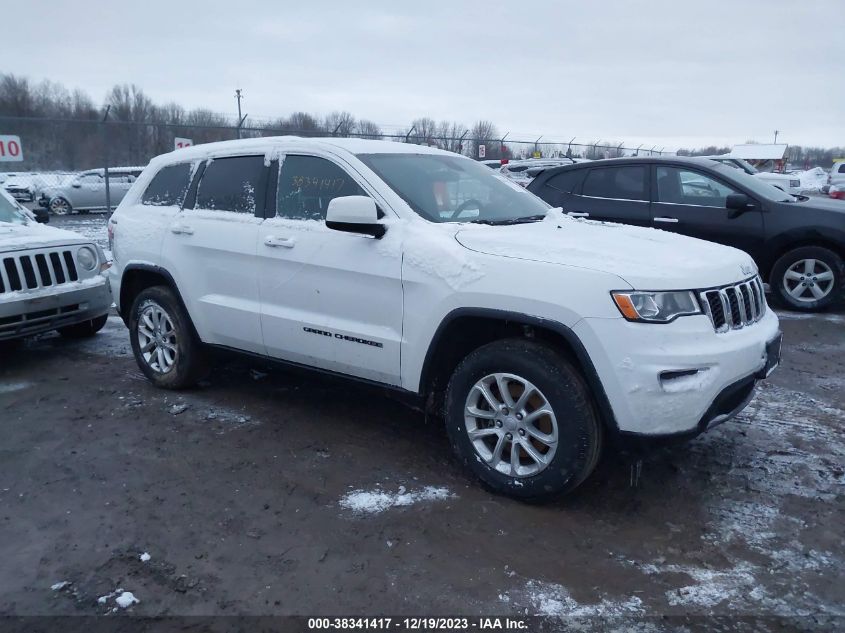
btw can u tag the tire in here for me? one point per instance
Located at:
(808, 278)
(85, 329)
(557, 383)
(60, 206)
(182, 360)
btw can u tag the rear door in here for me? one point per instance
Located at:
(618, 193)
(210, 249)
(692, 202)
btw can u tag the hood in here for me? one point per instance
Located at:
(19, 236)
(647, 259)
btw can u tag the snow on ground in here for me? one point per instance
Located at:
(375, 501)
(9, 387)
(144, 557)
(60, 585)
(126, 599)
(551, 599)
(813, 179)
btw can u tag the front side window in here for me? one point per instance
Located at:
(307, 184)
(682, 186)
(566, 181)
(168, 186)
(445, 188)
(623, 183)
(235, 184)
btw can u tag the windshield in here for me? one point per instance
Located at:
(10, 212)
(444, 188)
(755, 185)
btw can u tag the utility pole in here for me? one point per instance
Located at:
(106, 157)
(239, 96)
(776, 136)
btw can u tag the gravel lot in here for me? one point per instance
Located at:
(273, 492)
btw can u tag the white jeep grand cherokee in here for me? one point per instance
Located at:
(538, 336)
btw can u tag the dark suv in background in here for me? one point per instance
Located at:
(797, 242)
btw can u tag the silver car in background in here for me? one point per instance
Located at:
(87, 190)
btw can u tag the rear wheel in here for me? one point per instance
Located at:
(808, 278)
(163, 340)
(85, 329)
(520, 417)
(60, 206)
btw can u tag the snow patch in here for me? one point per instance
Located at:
(375, 501)
(60, 585)
(126, 600)
(144, 557)
(9, 387)
(551, 599)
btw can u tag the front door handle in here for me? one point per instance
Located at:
(284, 242)
(667, 220)
(578, 214)
(181, 229)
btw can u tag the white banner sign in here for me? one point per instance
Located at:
(482, 151)
(10, 149)
(179, 143)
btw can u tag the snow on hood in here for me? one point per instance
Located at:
(647, 259)
(32, 235)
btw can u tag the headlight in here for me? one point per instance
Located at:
(655, 307)
(86, 258)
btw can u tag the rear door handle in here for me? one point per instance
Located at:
(284, 242)
(181, 229)
(578, 214)
(667, 220)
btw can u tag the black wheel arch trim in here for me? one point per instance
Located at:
(517, 318)
(158, 270)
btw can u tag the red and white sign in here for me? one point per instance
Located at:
(10, 149)
(482, 151)
(179, 143)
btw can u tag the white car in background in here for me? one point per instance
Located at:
(86, 191)
(788, 183)
(50, 279)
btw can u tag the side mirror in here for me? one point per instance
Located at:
(354, 214)
(737, 204)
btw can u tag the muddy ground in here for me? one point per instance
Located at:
(273, 492)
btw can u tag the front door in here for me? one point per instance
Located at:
(330, 299)
(210, 249)
(691, 202)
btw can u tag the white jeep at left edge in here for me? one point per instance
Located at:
(50, 279)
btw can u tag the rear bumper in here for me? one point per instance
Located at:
(26, 313)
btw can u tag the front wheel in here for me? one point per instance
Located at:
(809, 278)
(521, 418)
(165, 346)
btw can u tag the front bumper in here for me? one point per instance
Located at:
(26, 313)
(678, 378)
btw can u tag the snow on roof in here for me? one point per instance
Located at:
(759, 151)
(265, 144)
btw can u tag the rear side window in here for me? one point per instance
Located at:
(842, 168)
(307, 184)
(625, 183)
(168, 186)
(233, 184)
(566, 181)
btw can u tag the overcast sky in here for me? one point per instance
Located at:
(667, 72)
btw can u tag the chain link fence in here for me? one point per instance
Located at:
(55, 150)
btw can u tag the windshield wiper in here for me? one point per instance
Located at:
(523, 220)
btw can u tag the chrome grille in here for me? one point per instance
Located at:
(736, 306)
(30, 271)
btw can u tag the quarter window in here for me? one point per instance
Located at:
(566, 181)
(168, 186)
(681, 186)
(234, 184)
(307, 184)
(625, 183)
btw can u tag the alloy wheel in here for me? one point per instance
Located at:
(808, 280)
(157, 338)
(59, 206)
(511, 425)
